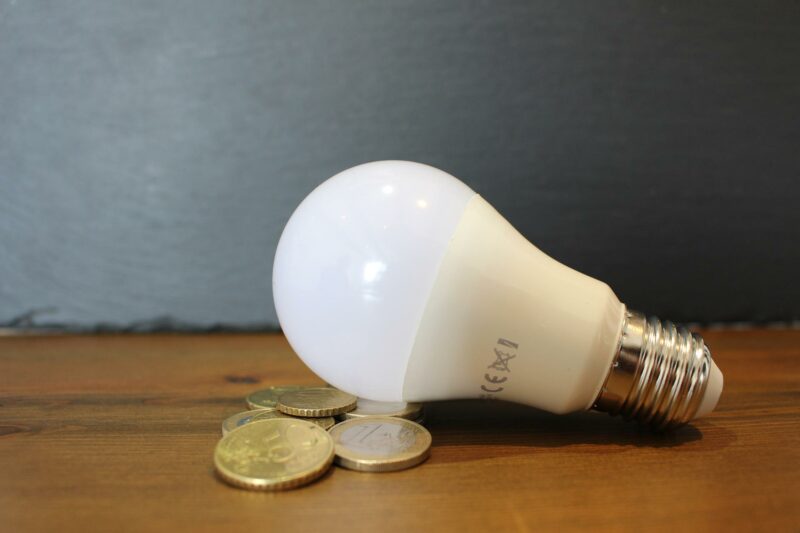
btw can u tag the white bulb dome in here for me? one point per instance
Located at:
(354, 268)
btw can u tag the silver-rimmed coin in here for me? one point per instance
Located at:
(380, 444)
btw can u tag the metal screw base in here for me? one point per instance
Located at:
(659, 375)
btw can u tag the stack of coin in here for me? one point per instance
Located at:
(281, 442)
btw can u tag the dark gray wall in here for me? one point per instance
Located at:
(150, 152)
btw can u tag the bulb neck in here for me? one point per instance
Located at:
(659, 375)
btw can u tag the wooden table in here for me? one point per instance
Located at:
(116, 433)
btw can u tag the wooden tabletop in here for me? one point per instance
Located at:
(116, 433)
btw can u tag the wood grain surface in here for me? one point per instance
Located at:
(116, 433)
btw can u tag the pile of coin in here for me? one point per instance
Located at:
(290, 437)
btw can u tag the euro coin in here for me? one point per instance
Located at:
(245, 417)
(380, 444)
(274, 454)
(240, 419)
(410, 411)
(316, 402)
(268, 398)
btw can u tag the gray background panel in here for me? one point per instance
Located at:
(150, 152)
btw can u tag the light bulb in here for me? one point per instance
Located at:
(394, 281)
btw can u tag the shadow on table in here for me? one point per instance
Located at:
(503, 424)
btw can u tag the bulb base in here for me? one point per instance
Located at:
(659, 375)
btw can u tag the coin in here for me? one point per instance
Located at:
(245, 417)
(325, 422)
(267, 398)
(318, 401)
(380, 444)
(240, 419)
(275, 454)
(410, 411)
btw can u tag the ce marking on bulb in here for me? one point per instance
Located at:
(502, 357)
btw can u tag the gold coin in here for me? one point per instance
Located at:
(245, 417)
(409, 411)
(325, 422)
(380, 444)
(240, 419)
(318, 401)
(275, 454)
(267, 398)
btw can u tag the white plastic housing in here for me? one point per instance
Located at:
(506, 321)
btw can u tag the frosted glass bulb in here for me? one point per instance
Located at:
(395, 281)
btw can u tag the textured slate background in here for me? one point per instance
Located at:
(150, 152)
